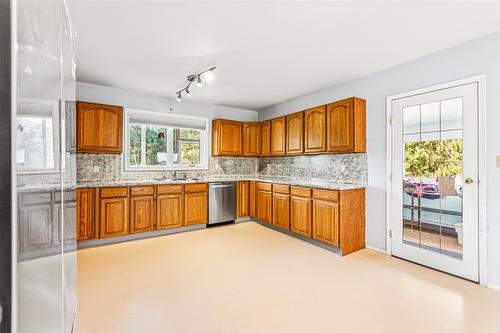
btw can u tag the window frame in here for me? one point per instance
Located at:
(163, 117)
(48, 109)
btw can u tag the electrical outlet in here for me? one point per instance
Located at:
(96, 168)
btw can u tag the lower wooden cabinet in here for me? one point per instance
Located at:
(85, 214)
(264, 206)
(300, 215)
(169, 211)
(281, 210)
(252, 192)
(113, 217)
(242, 199)
(326, 222)
(142, 214)
(195, 208)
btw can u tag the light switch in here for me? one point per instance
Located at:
(96, 168)
(498, 161)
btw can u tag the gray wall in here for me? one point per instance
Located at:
(468, 59)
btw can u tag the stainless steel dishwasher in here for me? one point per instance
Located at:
(221, 202)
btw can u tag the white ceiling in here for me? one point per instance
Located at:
(265, 52)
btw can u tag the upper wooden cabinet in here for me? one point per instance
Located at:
(251, 139)
(242, 199)
(315, 130)
(99, 128)
(266, 138)
(346, 126)
(295, 133)
(226, 137)
(278, 136)
(84, 214)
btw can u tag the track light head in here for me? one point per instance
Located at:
(209, 75)
(188, 93)
(179, 99)
(199, 84)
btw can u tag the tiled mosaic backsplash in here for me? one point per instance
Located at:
(344, 168)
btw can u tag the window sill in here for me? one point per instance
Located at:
(201, 168)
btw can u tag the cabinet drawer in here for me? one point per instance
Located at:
(264, 186)
(112, 192)
(325, 194)
(142, 190)
(277, 188)
(300, 191)
(192, 188)
(35, 198)
(69, 195)
(169, 189)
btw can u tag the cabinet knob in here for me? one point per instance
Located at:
(469, 181)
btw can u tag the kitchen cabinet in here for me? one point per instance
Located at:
(227, 137)
(85, 227)
(264, 202)
(281, 210)
(169, 210)
(99, 128)
(142, 214)
(113, 212)
(315, 130)
(195, 204)
(295, 133)
(265, 138)
(278, 136)
(242, 199)
(36, 227)
(346, 126)
(301, 211)
(252, 205)
(326, 222)
(251, 139)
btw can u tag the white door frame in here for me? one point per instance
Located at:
(482, 232)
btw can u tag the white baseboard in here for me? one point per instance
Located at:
(492, 286)
(383, 251)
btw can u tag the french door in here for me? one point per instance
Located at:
(434, 200)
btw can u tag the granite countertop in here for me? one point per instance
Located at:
(277, 180)
(45, 187)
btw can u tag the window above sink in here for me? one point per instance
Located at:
(163, 141)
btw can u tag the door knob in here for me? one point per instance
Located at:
(469, 181)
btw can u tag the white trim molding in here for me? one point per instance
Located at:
(482, 148)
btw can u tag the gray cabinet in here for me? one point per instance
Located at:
(36, 227)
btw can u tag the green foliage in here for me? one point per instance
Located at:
(433, 158)
(190, 153)
(155, 144)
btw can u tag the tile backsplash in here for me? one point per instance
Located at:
(343, 168)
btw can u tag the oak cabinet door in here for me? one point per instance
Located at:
(252, 204)
(295, 133)
(281, 210)
(266, 138)
(99, 128)
(113, 217)
(340, 126)
(300, 215)
(326, 222)
(226, 137)
(315, 130)
(85, 214)
(169, 211)
(278, 136)
(141, 214)
(264, 206)
(195, 208)
(242, 199)
(251, 139)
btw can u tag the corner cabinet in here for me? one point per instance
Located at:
(227, 137)
(251, 139)
(346, 126)
(99, 128)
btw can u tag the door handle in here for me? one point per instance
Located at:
(469, 181)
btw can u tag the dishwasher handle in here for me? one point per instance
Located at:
(221, 185)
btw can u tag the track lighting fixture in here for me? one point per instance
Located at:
(207, 74)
